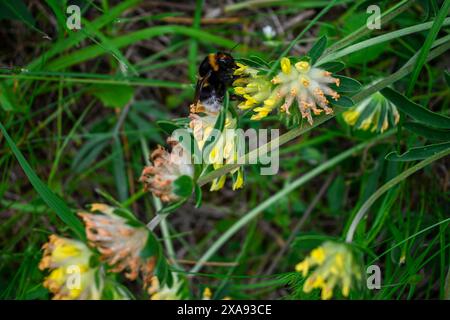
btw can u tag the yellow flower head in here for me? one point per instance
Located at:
(71, 276)
(255, 90)
(375, 113)
(164, 293)
(166, 168)
(334, 265)
(207, 294)
(119, 243)
(304, 85)
(225, 149)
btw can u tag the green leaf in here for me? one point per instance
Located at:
(415, 110)
(57, 7)
(161, 270)
(198, 196)
(119, 170)
(252, 62)
(151, 247)
(418, 153)
(343, 102)
(332, 66)
(167, 126)
(260, 61)
(347, 84)
(427, 132)
(51, 199)
(172, 207)
(318, 48)
(114, 96)
(183, 186)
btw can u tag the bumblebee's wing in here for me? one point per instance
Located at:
(198, 88)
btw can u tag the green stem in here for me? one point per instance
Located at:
(388, 185)
(129, 81)
(160, 219)
(282, 193)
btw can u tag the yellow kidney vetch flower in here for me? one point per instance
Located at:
(119, 242)
(165, 292)
(375, 113)
(225, 150)
(305, 85)
(71, 276)
(334, 265)
(255, 89)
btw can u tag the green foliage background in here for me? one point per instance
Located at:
(78, 113)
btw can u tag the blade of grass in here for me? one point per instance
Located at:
(193, 45)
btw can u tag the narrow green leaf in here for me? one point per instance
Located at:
(119, 170)
(172, 207)
(427, 132)
(167, 126)
(347, 84)
(51, 199)
(332, 66)
(343, 102)
(415, 110)
(254, 62)
(198, 196)
(151, 247)
(418, 153)
(260, 60)
(317, 49)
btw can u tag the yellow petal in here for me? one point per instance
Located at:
(285, 65)
(239, 181)
(318, 255)
(302, 66)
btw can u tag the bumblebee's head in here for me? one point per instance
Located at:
(225, 61)
(218, 63)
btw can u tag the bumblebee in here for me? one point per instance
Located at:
(215, 75)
